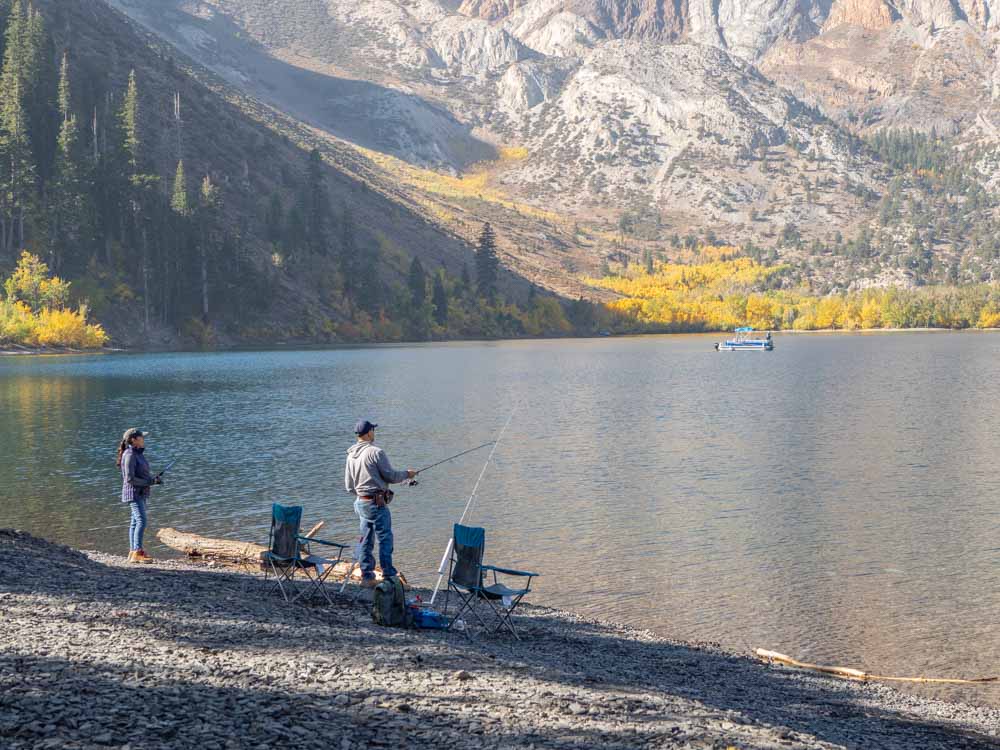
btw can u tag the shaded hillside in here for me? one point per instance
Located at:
(203, 214)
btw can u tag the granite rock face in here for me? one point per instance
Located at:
(738, 115)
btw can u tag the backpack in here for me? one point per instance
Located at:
(389, 604)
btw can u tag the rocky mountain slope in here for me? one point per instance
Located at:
(738, 120)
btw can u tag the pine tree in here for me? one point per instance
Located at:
(179, 196)
(487, 263)
(17, 169)
(68, 197)
(140, 184)
(417, 283)
(208, 207)
(274, 220)
(130, 122)
(40, 82)
(440, 300)
(317, 204)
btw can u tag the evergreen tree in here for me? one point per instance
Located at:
(67, 195)
(317, 204)
(295, 232)
(17, 169)
(466, 278)
(130, 123)
(274, 220)
(179, 196)
(440, 300)
(40, 76)
(208, 208)
(487, 263)
(417, 283)
(140, 183)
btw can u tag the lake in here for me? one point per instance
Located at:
(837, 500)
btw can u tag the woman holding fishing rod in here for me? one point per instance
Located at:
(136, 481)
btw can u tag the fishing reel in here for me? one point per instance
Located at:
(412, 483)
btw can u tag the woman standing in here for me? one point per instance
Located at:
(136, 481)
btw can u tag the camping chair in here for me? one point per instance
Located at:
(289, 552)
(466, 574)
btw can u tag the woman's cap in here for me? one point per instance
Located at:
(131, 433)
(363, 427)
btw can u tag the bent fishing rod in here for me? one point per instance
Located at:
(447, 551)
(413, 482)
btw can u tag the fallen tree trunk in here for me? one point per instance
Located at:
(232, 551)
(203, 546)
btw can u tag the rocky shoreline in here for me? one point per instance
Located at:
(97, 654)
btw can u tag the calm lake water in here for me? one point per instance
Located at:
(837, 500)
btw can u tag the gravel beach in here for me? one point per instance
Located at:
(97, 654)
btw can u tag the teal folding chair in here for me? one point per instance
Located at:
(467, 580)
(289, 553)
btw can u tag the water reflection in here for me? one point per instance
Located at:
(836, 499)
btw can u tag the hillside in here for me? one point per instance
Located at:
(634, 123)
(199, 215)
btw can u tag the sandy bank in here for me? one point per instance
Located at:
(94, 654)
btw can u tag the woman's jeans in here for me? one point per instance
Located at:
(138, 525)
(375, 522)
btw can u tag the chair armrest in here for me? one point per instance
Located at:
(322, 541)
(509, 571)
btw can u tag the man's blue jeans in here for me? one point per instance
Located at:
(138, 524)
(375, 522)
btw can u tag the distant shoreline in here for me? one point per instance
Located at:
(10, 350)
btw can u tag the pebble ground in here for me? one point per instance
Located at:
(95, 653)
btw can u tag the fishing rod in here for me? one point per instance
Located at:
(468, 506)
(413, 482)
(166, 468)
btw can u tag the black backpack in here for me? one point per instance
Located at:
(389, 604)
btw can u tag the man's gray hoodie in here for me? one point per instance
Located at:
(368, 470)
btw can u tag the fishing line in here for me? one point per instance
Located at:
(468, 506)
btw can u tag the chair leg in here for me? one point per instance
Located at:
(317, 581)
(467, 603)
(506, 616)
(281, 577)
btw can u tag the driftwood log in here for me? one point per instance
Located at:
(850, 673)
(232, 551)
(203, 546)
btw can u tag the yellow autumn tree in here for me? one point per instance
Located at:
(34, 311)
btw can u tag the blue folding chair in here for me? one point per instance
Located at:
(466, 578)
(289, 553)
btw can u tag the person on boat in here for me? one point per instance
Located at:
(136, 481)
(368, 475)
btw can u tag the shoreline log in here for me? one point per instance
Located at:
(850, 673)
(194, 545)
(233, 551)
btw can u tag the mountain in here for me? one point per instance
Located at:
(588, 130)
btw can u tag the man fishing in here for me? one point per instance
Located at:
(368, 475)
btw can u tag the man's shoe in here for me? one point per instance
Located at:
(131, 556)
(141, 556)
